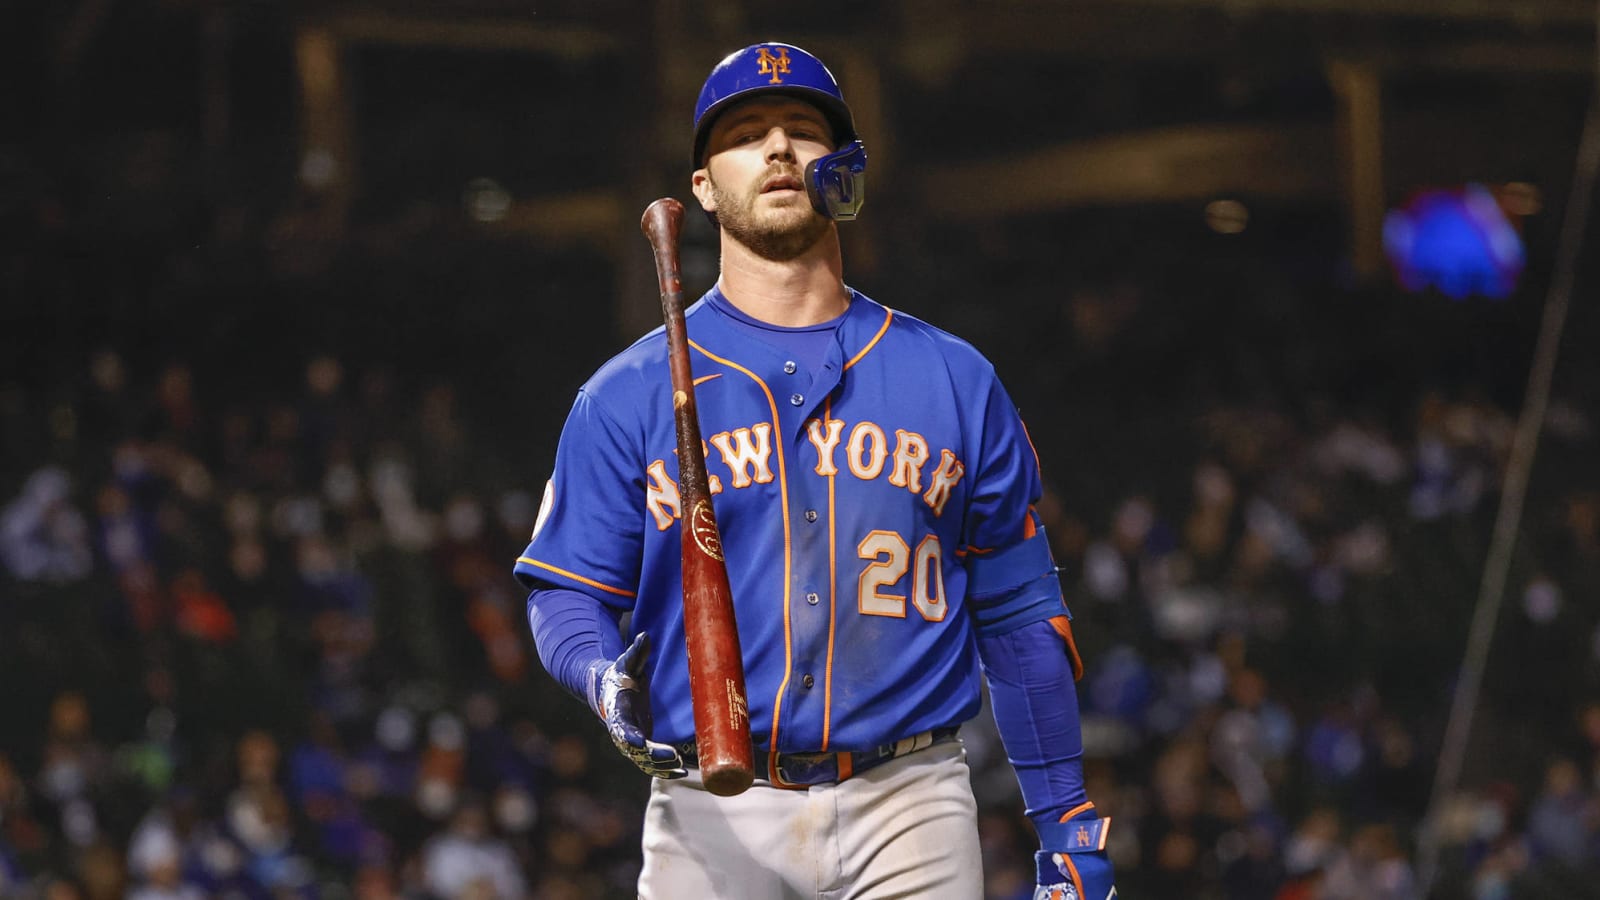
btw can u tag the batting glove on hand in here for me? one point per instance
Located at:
(620, 693)
(1074, 864)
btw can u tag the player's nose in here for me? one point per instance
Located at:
(778, 145)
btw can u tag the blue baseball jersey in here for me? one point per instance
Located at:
(876, 516)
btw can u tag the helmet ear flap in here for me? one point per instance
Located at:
(837, 183)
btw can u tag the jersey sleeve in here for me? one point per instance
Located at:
(1011, 575)
(589, 536)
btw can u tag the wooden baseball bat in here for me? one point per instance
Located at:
(716, 668)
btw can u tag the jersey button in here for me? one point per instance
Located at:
(811, 515)
(808, 681)
(789, 367)
(812, 598)
(796, 399)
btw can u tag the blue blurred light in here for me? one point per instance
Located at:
(1457, 241)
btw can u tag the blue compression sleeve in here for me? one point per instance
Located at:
(1035, 706)
(574, 634)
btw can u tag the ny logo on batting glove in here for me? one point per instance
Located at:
(1073, 864)
(619, 693)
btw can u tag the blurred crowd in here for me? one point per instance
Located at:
(272, 649)
(1277, 658)
(275, 652)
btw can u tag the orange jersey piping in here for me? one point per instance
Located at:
(1037, 468)
(783, 495)
(833, 597)
(888, 316)
(576, 577)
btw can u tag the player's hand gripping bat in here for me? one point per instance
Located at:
(716, 668)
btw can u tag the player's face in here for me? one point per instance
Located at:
(755, 159)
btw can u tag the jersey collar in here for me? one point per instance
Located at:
(863, 326)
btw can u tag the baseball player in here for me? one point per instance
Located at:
(874, 487)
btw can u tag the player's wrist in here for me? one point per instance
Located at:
(594, 686)
(1082, 831)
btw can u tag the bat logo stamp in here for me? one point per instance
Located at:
(738, 712)
(704, 528)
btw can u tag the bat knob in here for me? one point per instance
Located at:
(662, 221)
(727, 782)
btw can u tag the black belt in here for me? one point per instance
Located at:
(823, 767)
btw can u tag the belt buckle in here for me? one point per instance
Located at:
(807, 768)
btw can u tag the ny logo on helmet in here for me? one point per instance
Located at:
(767, 64)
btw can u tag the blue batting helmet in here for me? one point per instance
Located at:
(776, 68)
(836, 183)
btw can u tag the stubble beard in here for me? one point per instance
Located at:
(778, 234)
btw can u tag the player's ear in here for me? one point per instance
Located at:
(700, 183)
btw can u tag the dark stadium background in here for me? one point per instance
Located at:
(294, 298)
